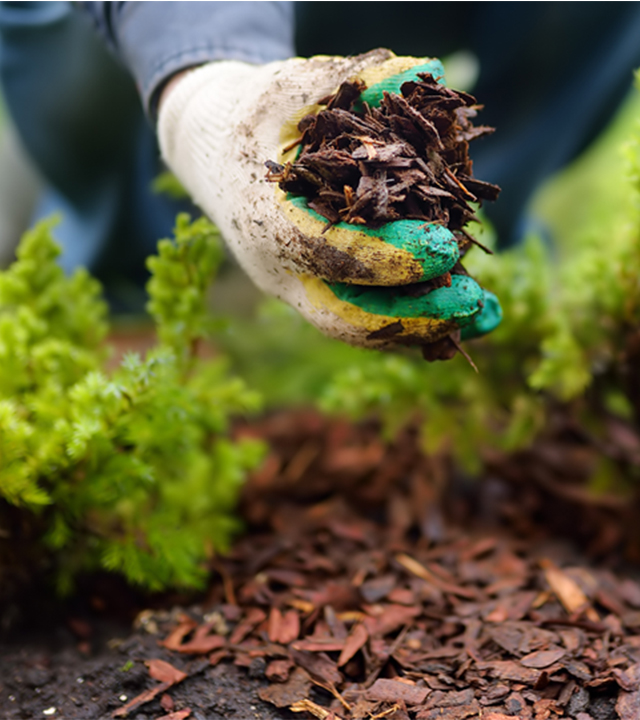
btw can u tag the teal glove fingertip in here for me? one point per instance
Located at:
(486, 321)
(461, 302)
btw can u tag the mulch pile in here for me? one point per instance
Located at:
(367, 604)
(366, 587)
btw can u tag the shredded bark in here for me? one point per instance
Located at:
(398, 613)
(406, 159)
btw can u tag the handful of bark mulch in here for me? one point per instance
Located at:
(406, 159)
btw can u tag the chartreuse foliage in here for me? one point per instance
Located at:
(132, 471)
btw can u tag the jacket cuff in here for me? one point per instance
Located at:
(155, 40)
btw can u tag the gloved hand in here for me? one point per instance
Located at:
(219, 124)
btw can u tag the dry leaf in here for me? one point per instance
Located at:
(253, 617)
(279, 670)
(202, 642)
(391, 618)
(628, 705)
(415, 568)
(328, 644)
(510, 670)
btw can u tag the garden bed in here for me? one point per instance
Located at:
(371, 582)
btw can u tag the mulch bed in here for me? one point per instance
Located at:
(371, 583)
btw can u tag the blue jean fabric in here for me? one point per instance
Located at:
(552, 75)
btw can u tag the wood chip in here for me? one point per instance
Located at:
(542, 658)
(177, 715)
(314, 709)
(354, 642)
(164, 671)
(628, 703)
(386, 690)
(141, 699)
(568, 591)
(283, 695)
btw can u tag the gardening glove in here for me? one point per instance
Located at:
(218, 126)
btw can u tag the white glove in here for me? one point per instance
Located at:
(219, 124)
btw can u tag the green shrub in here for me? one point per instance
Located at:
(132, 471)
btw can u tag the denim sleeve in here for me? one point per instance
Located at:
(157, 39)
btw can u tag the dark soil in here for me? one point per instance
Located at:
(372, 582)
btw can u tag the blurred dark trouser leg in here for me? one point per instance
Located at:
(19, 191)
(81, 121)
(552, 75)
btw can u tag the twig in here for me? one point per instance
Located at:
(464, 353)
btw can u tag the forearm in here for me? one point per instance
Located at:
(156, 40)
